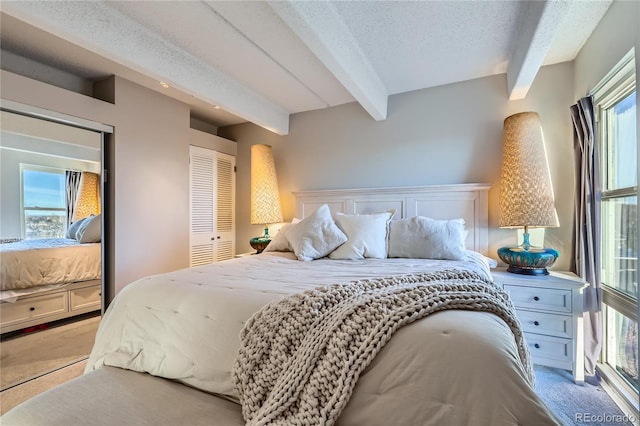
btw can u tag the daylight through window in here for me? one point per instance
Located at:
(619, 153)
(43, 201)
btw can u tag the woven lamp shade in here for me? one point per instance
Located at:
(265, 198)
(526, 194)
(88, 198)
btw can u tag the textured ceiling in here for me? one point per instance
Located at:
(262, 61)
(430, 44)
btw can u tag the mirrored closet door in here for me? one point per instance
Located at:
(51, 245)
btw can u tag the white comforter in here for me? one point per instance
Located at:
(31, 263)
(185, 325)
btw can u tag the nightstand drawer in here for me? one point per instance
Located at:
(549, 324)
(540, 298)
(549, 348)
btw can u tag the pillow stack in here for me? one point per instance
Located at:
(87, 230)
(371, 236)
(347, 237)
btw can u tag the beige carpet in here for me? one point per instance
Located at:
(31, 355)
(18, 394)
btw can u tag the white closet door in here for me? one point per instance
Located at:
(212, 195)
(225, 207)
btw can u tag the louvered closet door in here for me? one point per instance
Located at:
(212, 195)
(225, 208)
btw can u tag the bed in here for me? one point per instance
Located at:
(275, 339)
(43, 280)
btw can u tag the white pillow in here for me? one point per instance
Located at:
(315, 236)
(367, 235)
(425, 238)
(72, 232)
(280, 242)
(90, 231)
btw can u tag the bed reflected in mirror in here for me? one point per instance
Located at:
(50, 245)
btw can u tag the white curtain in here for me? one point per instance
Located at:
(586, 262)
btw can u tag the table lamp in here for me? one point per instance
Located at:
(265, 198)
(526, 195)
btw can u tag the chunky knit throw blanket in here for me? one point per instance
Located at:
(300, 357)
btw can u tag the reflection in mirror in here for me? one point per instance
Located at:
(50, 245)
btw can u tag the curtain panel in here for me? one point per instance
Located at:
(587, 226)
(72, 184)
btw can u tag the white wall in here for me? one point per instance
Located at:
(446, 134)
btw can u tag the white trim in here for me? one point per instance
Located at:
(620, 301)
(620, 392)
(621, 72)
(619, 83)
(57, 117)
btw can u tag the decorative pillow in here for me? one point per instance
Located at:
(72, 232)
(315, 236)
(366, 233)
(91, 230)
(280, 242)
(425, 238)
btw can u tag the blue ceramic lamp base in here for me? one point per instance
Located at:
(261, 243)
(528, 260)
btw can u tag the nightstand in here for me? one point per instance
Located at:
(251, 253)
(550, 310)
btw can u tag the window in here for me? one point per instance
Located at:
(619, 196)
(616, 103)
(44, 213)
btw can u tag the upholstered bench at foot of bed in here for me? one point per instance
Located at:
(113, 396)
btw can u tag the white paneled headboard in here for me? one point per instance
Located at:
(466, 201)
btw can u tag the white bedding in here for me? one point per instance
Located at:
(185, 325)
(47, 262)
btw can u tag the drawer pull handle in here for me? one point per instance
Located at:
(536, 298)
(536, 323)
(32, 309)
(537, 346)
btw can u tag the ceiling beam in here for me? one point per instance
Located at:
(101, 29)
(539, 24)
(321, 28)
